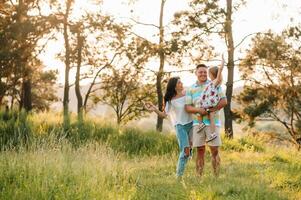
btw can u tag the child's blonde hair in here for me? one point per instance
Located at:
(213, 71)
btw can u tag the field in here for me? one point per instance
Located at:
(96, 160)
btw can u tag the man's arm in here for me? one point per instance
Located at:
(222, 103)
(194, 110)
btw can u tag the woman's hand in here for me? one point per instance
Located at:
(152, 108)
(149, 106)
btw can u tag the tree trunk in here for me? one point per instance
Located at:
(67, 67)
(26, 87)
(230, 66)
(160, 73)
(12, 102)
(77, 78)
(1, 97)
(22, 62)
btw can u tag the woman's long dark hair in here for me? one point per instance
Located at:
(170, 89)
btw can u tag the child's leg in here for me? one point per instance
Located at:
(212, 134)
(212, 123)
(201, 123)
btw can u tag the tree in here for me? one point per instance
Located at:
(79, 49)
(90, 39)
(99, 40)
(169, 49)
(208, 18)
(161, 53)
(272, 73)
(67, 62)
(125, 91)
(21, 32)
(124, 84)
(230, 65)
(43, 89)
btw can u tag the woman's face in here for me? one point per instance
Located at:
(179, 86)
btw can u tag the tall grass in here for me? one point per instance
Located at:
(97, 160)
(46, 129)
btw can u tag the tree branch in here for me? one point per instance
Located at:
(246, 38)
(145, 24)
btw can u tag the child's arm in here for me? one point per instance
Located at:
(149, 106)
(218, 79)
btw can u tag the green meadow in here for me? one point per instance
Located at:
(97, 160)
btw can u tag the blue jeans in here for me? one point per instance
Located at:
(182, 132)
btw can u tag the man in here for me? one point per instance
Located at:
(193, 96)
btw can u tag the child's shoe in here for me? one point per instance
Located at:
(212, 137)
(201, 127)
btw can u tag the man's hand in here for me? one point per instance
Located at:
(202, 111)
(222, 103)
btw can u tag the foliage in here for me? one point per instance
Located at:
(271, 71)
(124, 91)
(20, 36)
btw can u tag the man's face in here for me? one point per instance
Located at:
(201, 74)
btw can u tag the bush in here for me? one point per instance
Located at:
(232, 145)
(134, 142)
(252, 144)
(243, 144)
(15, 131)
(47, 130)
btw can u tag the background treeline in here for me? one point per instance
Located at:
(114, 61)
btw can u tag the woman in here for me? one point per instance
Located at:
(174, 107)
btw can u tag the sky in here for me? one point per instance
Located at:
(255, 16)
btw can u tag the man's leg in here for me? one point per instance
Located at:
(214, 149)
(200, 160)
(198, 140)
(215, 159)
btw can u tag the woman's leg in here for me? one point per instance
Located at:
(182, 135)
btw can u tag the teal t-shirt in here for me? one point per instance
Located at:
(193, 97)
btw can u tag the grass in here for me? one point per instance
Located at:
(100, 161)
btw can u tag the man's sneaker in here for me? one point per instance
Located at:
(211, 137)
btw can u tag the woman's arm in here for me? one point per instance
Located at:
(218, 79)
(151, 107)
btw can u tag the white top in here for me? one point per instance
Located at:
(176, 111)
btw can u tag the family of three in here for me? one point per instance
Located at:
(195, 116)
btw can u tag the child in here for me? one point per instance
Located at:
(210, 98)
